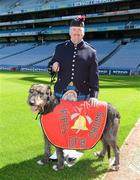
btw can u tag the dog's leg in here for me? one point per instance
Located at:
(115, 165)
(60, 157)
(47, 147)
(110, 133)
(102, 153)
(47, 150)
(113, 143)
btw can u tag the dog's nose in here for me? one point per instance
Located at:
(31, 103)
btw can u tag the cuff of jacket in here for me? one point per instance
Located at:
(50, 71)
(94, 94)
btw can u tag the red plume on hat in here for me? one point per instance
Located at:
(82, 18)
(78, 21)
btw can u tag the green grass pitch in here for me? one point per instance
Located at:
(21, 142)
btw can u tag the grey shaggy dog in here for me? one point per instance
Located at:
(42, 101)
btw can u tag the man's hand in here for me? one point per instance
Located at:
(93, 102)
(55, 67)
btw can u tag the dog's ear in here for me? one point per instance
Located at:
(31, 88)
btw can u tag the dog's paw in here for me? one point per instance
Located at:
(113, 165)
(114, 168)
(42, 162)
(55, 167)
(99, 155)
(69, 164)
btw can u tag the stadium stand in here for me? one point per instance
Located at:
(33, 53)
(30, 30)
(13, 49)
(65, 29)
(128, 57)
(104, 47)
(18, 4)
(22, 57)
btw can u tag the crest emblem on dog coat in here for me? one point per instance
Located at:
(75, 125)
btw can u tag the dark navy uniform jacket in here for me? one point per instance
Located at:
(78, 65)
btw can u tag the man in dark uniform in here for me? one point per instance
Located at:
(75, 63)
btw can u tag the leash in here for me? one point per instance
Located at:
(53, 77)
(39, 121)
(39, 113)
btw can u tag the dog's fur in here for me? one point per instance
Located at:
(41, 100)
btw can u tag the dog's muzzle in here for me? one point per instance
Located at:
(31, 103)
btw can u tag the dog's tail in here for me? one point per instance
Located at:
(108, 151)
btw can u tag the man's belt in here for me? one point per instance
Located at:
(79, 97)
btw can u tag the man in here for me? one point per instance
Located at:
(75, 63)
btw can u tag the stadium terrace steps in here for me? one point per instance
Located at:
(103, 47)
(18, 5)
(115, 52)
(21, 6)
(95, 27)
(50, 51)
(40, 61)
(21, 32)
(31, 56)
(14, 51)
(2, 46)
(106, 58)
(127, 57)
(38, 56)
(70, 17)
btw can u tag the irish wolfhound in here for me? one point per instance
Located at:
(41, 100)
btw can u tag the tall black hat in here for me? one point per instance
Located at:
(78, 22)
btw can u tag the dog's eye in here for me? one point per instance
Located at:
(31, 91)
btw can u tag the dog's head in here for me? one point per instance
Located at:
(39, 96)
